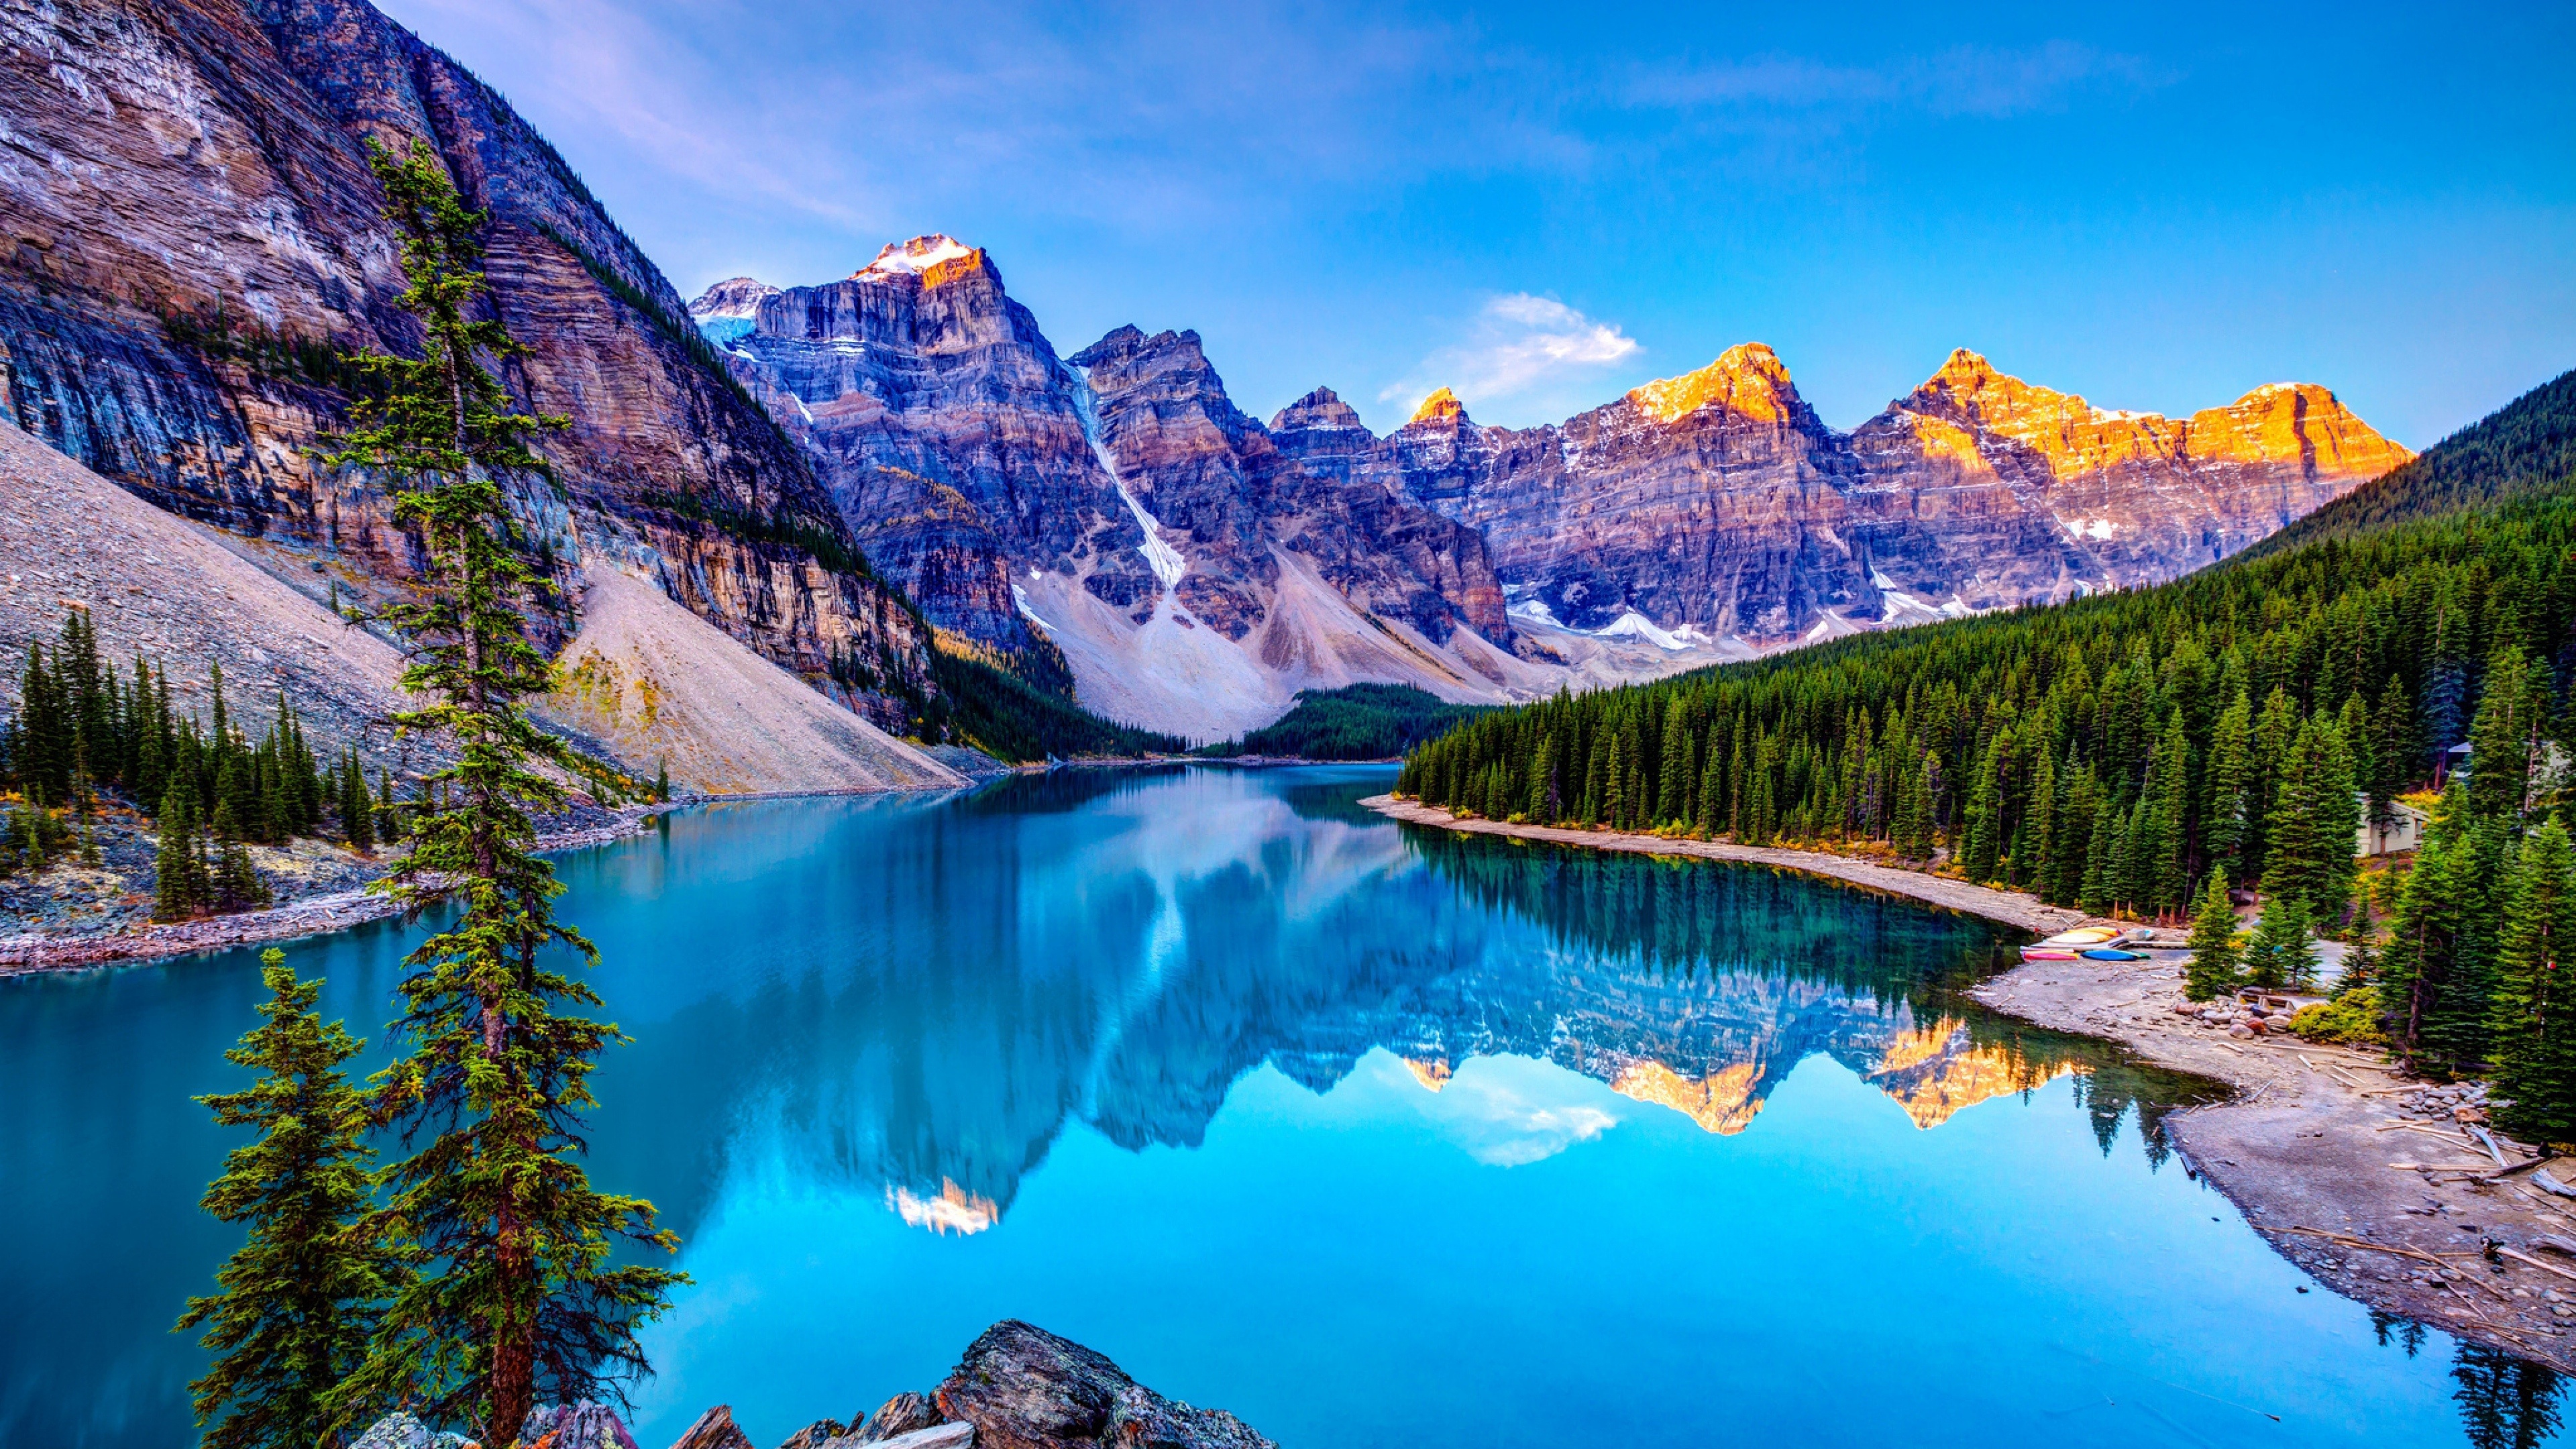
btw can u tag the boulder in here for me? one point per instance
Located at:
(901, 1415)
(582, 1425)
(1024, 1388)
(816, 1434)
(715, 1429)
(399, 1430)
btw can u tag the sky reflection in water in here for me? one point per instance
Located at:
(1372, 1136)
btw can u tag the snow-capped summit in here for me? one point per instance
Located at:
(914, 257)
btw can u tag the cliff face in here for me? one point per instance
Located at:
(194, 248)
(1716, 506)
(943, 425)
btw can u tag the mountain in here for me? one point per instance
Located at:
(1716, 507)
(196, 250)
(2523, 449)
(1195, 568)
(2049, 748)
(1111, 519)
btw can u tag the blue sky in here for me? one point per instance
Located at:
(2159, 207)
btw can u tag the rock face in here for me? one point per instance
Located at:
(714, 1429)
(194, 249)
(1025, 1388)
(943, 424)
(1717, 506)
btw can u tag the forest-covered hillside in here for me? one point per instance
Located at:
(1355, 722)
(2524, 448)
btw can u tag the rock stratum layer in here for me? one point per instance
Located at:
(193, 249)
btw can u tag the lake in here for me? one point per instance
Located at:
(1373, 1135)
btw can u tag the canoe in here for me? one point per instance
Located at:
(2105, 953)
(2086, 936)
(2046, 953)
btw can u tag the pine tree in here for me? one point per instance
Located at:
(1983, 846)
(2502, 739)
(2280, 953)
(179, 889)
(2438, 970)
(2533, 1013)
(2096, 895)
(518, 1295)
(2169, 800)
(2214, 969)
(2231, 786)
(357, 817)
(300, 1295)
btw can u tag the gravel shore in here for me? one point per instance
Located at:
(73, 917)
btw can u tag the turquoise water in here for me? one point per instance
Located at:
(1150, 1060)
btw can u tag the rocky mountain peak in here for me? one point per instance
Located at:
(1319, 411)
(1748, 379)
(1441, 407)
(931, 259)
(1968, 387)
(2294, 421)
(734, 298)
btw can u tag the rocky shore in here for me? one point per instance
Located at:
(2384, 1189)
(1018, 1387)
(76, 915)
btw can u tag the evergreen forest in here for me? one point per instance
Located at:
(88, 732)
(1355, 722)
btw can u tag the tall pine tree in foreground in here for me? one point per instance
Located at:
(514, 1294)
(2534, 1008)
(299, 1296)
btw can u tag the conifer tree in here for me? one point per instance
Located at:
(2280, 953)
(178, 890)
(2168, 864)
(516, 1294)
(2503, 739)
(2213, 970)
(2231, 786)
(1984, 843)
(299, 1297)
(2533, 1014)
(357, 815)
(2095, 896)
(2438, 968)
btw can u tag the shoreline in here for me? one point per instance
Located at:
(2389, 1211)
(2011, 908)
(34, 954)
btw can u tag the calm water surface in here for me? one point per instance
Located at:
(1375, 1136)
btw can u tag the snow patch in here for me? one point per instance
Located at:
(1020, 597)
(912, 258)
(1160, 556)
(2097, 529)
(1635, 625)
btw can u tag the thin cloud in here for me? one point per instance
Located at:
(1517, 345)
(1962, 80)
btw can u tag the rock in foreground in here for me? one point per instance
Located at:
(1024, 1388)
(1018, 1387)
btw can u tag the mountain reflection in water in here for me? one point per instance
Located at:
(1128, 984)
